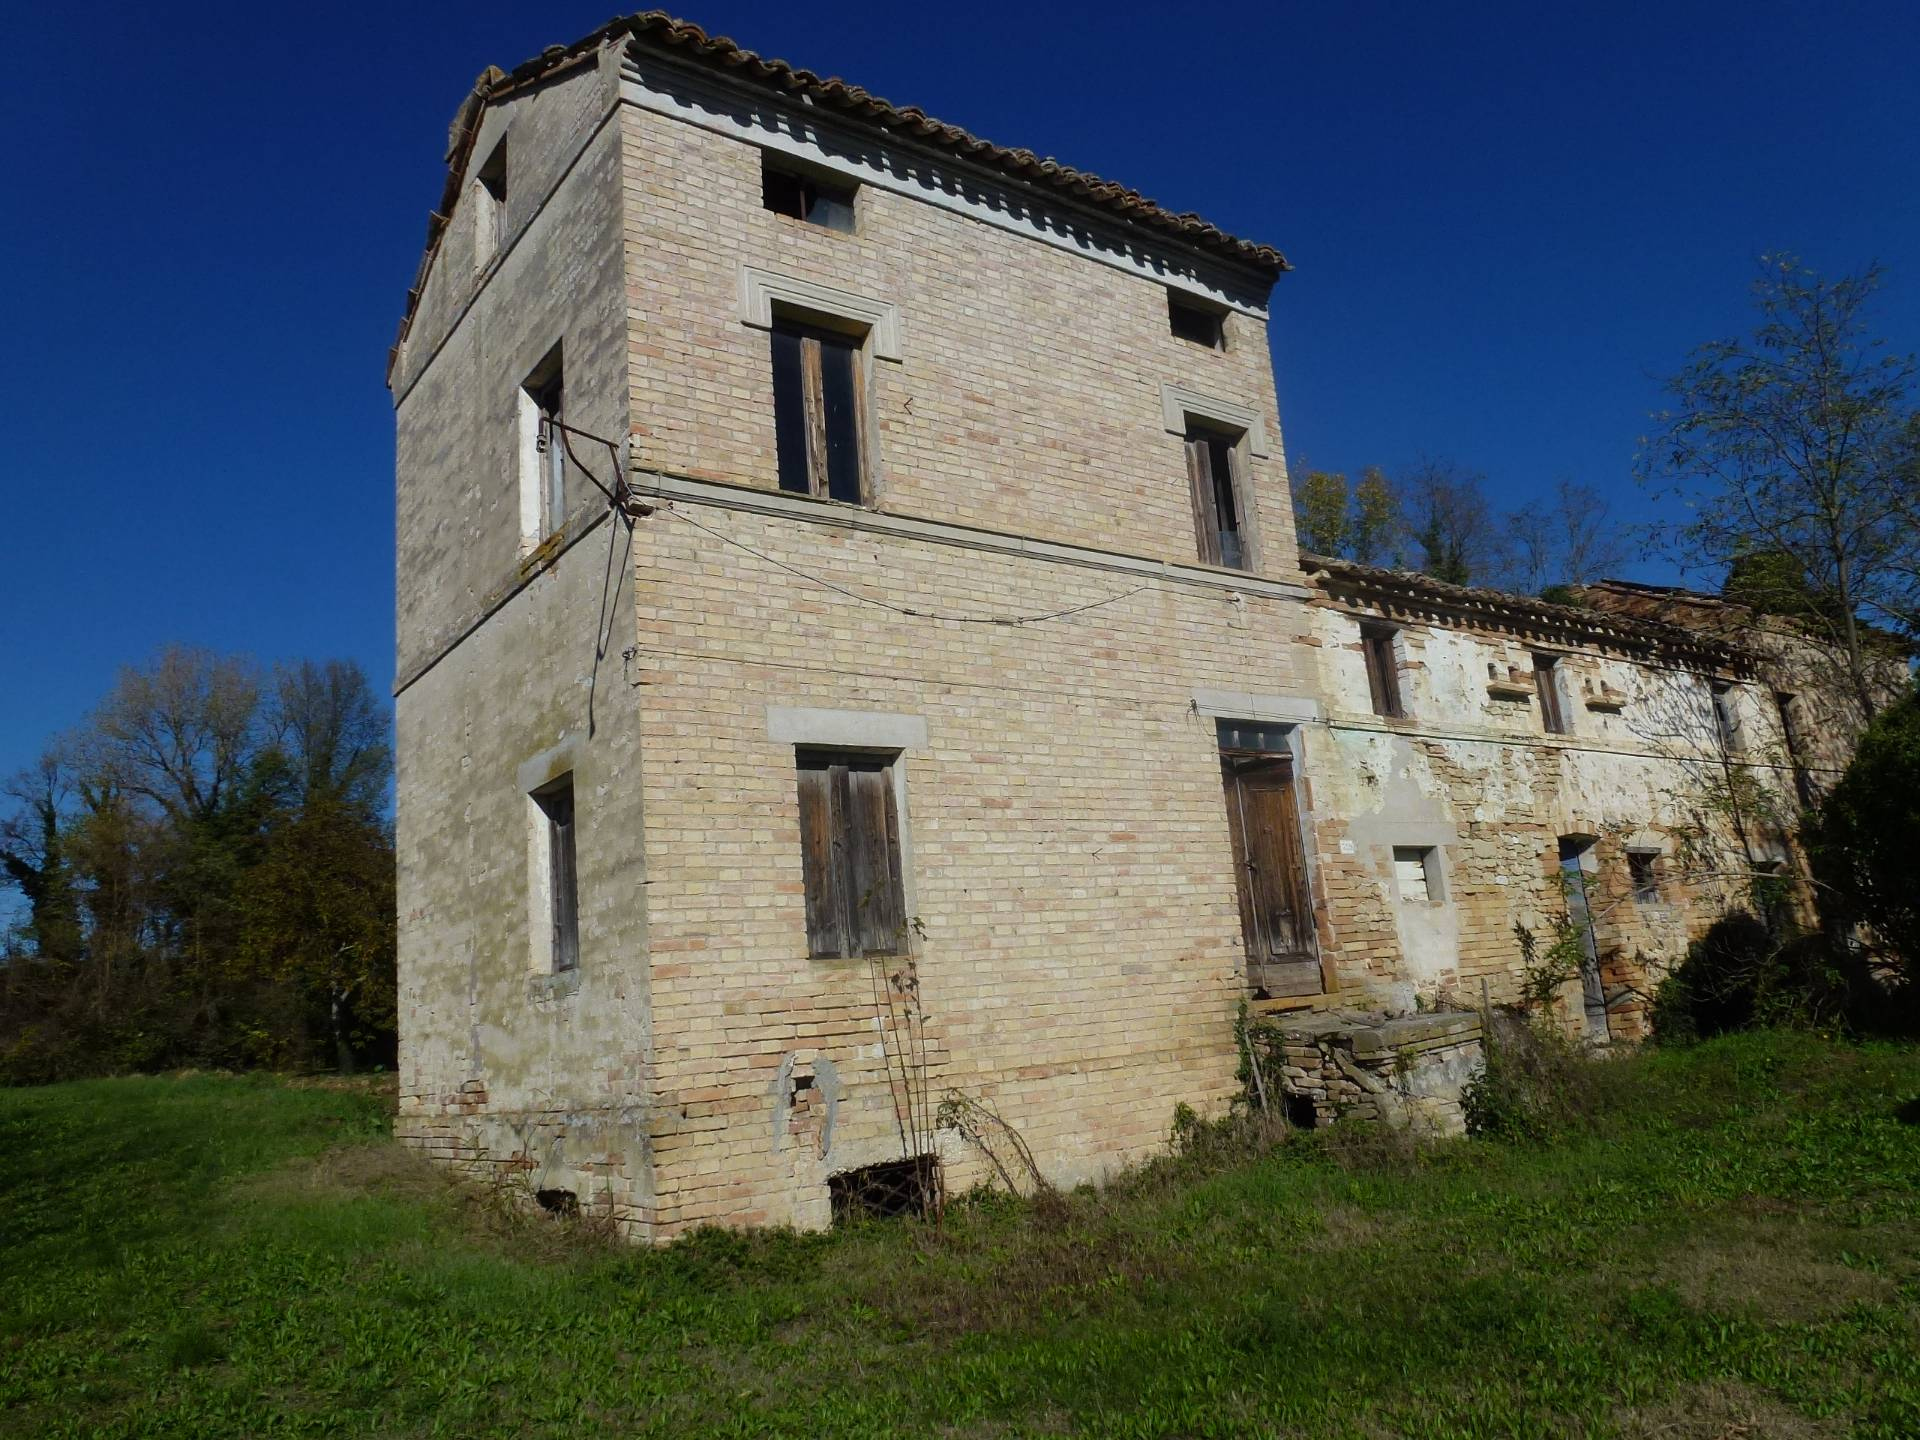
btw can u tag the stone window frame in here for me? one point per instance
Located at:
(768, 298)
(862, 733)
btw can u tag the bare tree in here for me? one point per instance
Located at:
(1798, 444)
(178, 733)
(1569, 540)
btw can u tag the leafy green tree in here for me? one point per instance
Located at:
(1795, 452)
(1374, 522)
(1320, 512)
(1867, 833)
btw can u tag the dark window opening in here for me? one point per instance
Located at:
(561, 1204)
(886, 1191)
(825, 203)
(1216, 477)
(850, 855)
(1643, 871)
(818, 418)
(1575, 852)
(556, 803)
(1383, 673)
(546, 388)
(1546, 683)
(491, 221)
(1301, 1112)
(1269, 860)
(1198, 323)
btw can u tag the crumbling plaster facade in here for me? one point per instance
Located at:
(1016, 617)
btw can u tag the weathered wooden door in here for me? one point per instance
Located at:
(1276, 916)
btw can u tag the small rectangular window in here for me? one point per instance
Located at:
(1546, 683)
(818, 413)
(1643, 871)
(1383, 672)
(543, 410)
(1215, 477)
(850, 855)
(490, 201)
(1726, 720)
(826, 203)
(1198, 323)
(556, 804)
(1414, 874)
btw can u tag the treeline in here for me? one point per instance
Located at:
(1436, 518)
(203, 875)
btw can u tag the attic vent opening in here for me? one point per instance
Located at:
(1201, 324)
(818, 201)
(886, 1191)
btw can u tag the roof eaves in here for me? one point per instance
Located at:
(721, 53)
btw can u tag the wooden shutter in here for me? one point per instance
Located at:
(1236, 480)
(1276, 917)
(1546, 681)
(1206, 525)
(820, 860)
(873, 871)
(850, 856)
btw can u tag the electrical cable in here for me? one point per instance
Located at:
(620, 492)
(905, 609)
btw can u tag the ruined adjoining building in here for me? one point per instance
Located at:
(853, 654)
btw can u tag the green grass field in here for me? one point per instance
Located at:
(1733, 1252)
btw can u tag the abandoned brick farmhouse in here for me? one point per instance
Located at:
(851, 628)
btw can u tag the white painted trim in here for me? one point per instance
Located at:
(757, 500)
(1177, 404)
(935, 178)
(848, 729)
(761, 290)
(1276, 709)
(530, 487)
(530, 775)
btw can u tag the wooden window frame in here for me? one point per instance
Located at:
(555, 801)
(827, 203)
(1383, 670)
(851, 856)
(1205, 447)
(1553, 700)
(812, 438)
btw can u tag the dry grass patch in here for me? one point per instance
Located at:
(1721, 1410)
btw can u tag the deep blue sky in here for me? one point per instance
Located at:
(1505, 219)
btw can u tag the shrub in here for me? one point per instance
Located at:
(1534, 1085)
(1740, 975)
(1865, 837)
